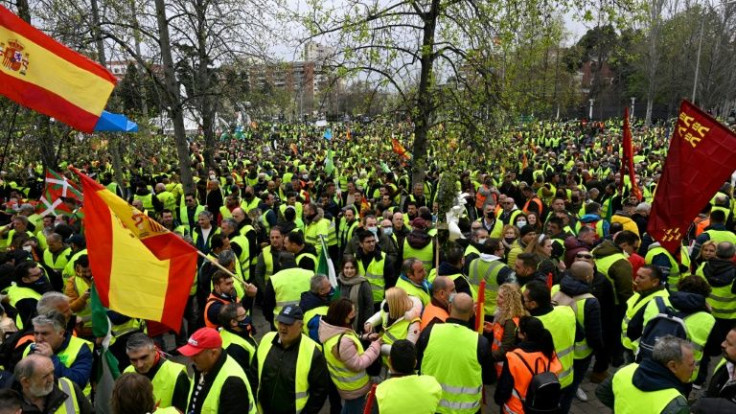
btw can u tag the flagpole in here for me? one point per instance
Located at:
(224, 269)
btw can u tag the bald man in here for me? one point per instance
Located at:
(443, 292)
(575, 292)
(456, 355)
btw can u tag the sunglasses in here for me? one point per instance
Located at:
(584, 256)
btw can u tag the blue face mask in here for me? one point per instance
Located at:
(388, 231)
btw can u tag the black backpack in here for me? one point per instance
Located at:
(667, 322)
(543, 392)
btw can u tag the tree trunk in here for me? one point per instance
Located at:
(204, 85)
(425, 99)
(173, 98)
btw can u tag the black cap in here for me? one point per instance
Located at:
(77, 239)
(290, 314)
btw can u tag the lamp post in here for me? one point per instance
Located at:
(590, 110)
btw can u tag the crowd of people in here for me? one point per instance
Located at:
(550, 229)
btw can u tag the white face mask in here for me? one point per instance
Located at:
(213, 178)
(28, 248)
(481, 241)
(520, 223)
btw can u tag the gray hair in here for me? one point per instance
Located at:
(669, 348)
(408, 264)
(206, 214)
(49, 301)
(53, 318)
(316, 282)
(230, 222)
(226, 257)
(25, 207)
(139, 340)
(26, 367)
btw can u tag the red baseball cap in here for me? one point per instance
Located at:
(203, 338)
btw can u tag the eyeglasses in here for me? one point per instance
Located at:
(584, 256)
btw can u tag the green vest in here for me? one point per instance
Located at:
(288, 286)
(722, 302)
(674, 275)
(424, 389)
(147, 201)
(307, 348)
(374, 275)
(605, 263)
(168, 200)
(343, 377)
(633, 306)
(86, 314)
(424, 255)
(69, 268)
(229, 338)
(488, 271)
(225, 212)
(303, 255)
(244, 257)
(268, 262)
(582, 350)
(721, 235)
(561, 323)
(18, 293)
(184, 217)
(412, 290)
(60, 262)
(346, 232)
(631, 400)
(308, 315)
(211, 402)
(71, 405)
(452, 358)
(164, 382)
(470, 250)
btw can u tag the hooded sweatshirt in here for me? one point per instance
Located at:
(592, 331)
(347, 352)
(719, 273)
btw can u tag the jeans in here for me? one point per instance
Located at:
(353, 406)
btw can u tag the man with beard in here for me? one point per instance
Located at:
(34, 376)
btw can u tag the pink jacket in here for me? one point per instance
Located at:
(348, 354)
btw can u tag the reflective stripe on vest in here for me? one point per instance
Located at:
(674, 275)
(229, 338)
(307, 348)
(561, 324)
(424, 389)
(374, 275)
(71, 405)
(604, 264)
(452, 358)
(344, 378)
(424, 255)
(288, 285)
(490, 275)
(632, 308)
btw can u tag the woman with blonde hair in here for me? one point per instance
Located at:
(707, 252)
(509, 308)
(510, 235)
(399, 317)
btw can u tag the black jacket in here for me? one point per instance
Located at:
(461, 283)
(243, 358)
(277, 382)
(485, 359)
(233, 397)
(55, 400)
(592, 331)
(720, 272)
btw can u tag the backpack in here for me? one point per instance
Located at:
(543, 391)
(667, 322)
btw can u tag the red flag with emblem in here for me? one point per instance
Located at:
(627, 158)
(701, 157)
(57, 188)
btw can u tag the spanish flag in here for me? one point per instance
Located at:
(399, 149)
(42, 74)
(140, 269)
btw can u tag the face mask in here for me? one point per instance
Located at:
(520, 223)
(373, 230)
(244, 324)
(490, 215)
(40, 282)
(28, 248)
(249, 195)
(481, 241)
(388, 231)
(212, 177)
(509, 240)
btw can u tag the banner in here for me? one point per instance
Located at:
(701, 157)
(627, 159)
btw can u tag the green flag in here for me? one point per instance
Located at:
(325, 265)
(107, 370)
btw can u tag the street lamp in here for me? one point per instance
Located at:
(590, 111)
(633, 102)
(700, 48)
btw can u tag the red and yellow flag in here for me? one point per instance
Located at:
(399, 149)
(42, 74)
(701, 157)
(140, 269)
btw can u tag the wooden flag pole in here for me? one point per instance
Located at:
(224, 269)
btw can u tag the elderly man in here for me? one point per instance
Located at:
(414, 280)
(293, 374)
(443, 290)
(657, 385)
(314, 303)
(42, 393)
(169, 379)
(220, 385)
(71, 356)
